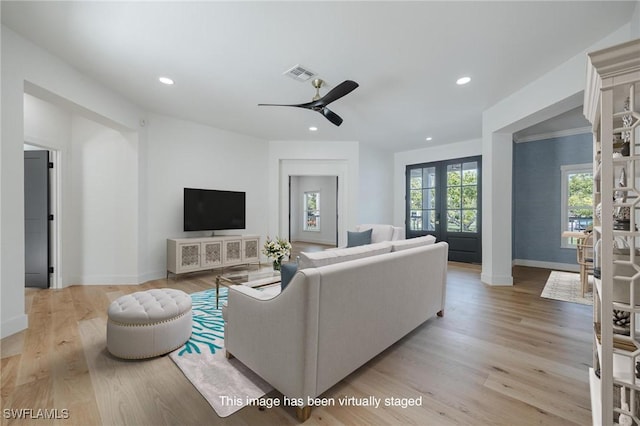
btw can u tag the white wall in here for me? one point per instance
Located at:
(12, 312)
(49, 126)
(99, 193)
(105, 199)
(21, 320)
(326, 185)
(425, 155)
(25, 65)
(46, 124)
(555, 92)
(376, 186)
(140, 170)
(184, 154)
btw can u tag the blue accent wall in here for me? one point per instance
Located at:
(537, 194)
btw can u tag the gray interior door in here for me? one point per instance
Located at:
(36, 218)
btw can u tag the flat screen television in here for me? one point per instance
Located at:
(211, 209)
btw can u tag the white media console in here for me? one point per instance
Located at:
(199, 254)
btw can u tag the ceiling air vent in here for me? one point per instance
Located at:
(300, 73)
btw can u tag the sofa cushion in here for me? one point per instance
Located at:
(355, 239)
(329, 257)
(287, 271)
(398, 233)
(412, 242)
(379, 232)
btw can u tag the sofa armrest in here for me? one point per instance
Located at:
(277, 338)
(252, 292)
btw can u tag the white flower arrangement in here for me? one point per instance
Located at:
(276, 249)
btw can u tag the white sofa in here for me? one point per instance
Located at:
(379, 233)
(382, 232)
(332, 319)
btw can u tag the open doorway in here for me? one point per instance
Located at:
(313, 210)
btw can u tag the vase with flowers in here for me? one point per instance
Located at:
(276, 249)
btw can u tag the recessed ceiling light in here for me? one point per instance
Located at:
(166, 80)
(313, 128)
(463, 80)
(429, 138)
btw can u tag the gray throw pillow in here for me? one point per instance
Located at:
(287, 271)
(355, 239)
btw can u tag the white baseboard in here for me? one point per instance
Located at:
(496, 280)
(14, 325)
(152, 276)
(109, 280)
(547, 265)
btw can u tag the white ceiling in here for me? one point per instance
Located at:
(226, 57)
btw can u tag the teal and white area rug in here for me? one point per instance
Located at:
(203, 362)
(565, 286)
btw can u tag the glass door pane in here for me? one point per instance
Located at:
(462, 197)
(422, 202)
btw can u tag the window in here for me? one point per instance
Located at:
(311, 219)
(577, 199)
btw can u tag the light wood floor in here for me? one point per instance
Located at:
(499, 356)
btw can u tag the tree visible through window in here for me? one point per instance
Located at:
(422, 199)
(462, 197)
(311, 211)
(577, 199)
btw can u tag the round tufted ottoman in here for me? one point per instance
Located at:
(148, 323)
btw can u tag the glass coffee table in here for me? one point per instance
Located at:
(257, 278)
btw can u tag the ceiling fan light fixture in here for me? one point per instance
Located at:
(317, 83)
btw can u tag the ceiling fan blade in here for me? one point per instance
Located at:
(331, 116)
(307, 105)
(336, 93)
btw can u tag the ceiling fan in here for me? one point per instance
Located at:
(319, 103)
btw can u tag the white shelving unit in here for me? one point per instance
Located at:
(612, 104)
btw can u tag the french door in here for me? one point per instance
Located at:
(443, 199)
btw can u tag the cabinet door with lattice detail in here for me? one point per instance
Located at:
(189, 256)
(232, 252)
(251, 252)
(212, 253)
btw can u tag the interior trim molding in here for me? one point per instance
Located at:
(496, 280)
(551, 135)
(547, 265)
